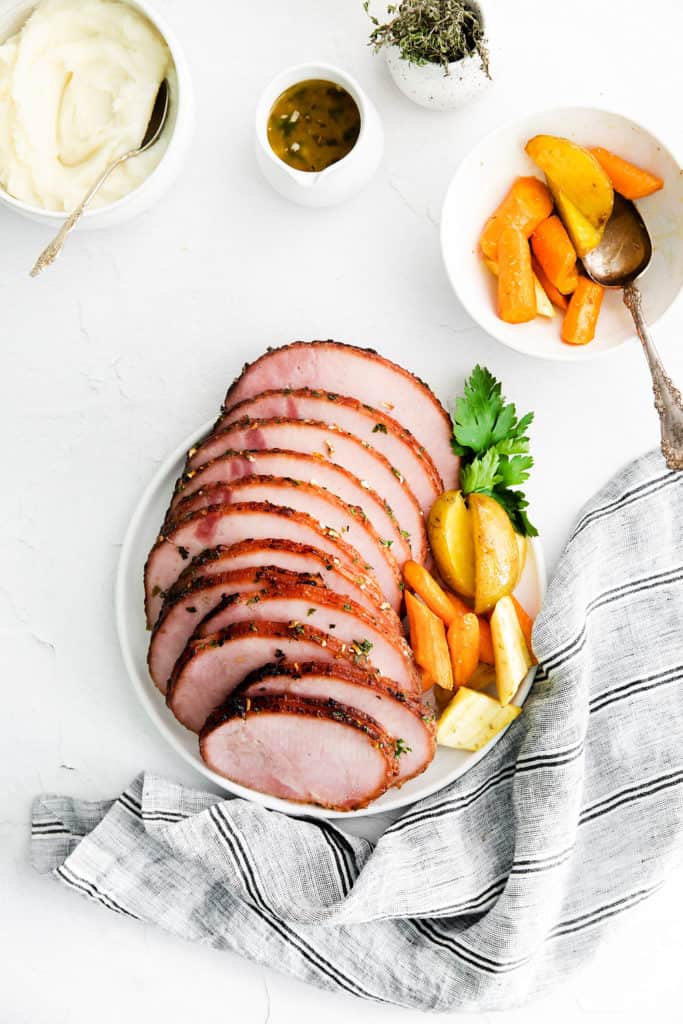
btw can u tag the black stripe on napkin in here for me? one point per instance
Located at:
(91, 890)
(260, 908)
(627, 498)
(630, 794)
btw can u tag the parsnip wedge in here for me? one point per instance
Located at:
(510, 650)
(472, 719)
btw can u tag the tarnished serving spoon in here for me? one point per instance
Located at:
(622, 256)
(155, 126)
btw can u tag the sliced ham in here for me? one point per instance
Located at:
(185, 607)
(227, 525)
(342, 618)
(325, 442)
(407, 722)
(362, 374)
(348, 521)
(368, 424)
(301, 750)
(211, 668)
(287, 554)
(297, 466)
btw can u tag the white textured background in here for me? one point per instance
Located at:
(128, 343)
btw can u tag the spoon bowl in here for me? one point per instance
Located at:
(625, 251)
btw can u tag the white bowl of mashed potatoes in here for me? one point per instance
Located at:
(78, 79)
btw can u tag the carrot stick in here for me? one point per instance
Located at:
(526, 623)
(578, 327)
(485, 642)
(459, 606)
(555, 253)
(555, 296)
(630, 181)
(527, 203)
(426, 587)
(516, 291)
(428, 640)
(463, 644)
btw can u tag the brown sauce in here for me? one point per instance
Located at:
(313, 124)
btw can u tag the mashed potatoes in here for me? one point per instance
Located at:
(77, 86)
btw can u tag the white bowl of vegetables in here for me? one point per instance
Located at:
(643, 167)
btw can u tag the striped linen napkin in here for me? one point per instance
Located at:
(489, 891)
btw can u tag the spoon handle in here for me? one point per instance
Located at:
(668, 401)
(53, 249)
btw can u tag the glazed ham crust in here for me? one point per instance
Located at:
(227, 525)
(210, 669)
(362, 374)
(406, 721)
(281, 745)
(372, 425)
(341, 617)
(346, 521)
(325, 442)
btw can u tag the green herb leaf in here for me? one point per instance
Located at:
(493, 445)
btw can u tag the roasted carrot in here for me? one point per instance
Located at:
(526, 623)
(428, 640)
(578, 326)
(459, 606)
(527, 203)
(555, 296)
(426, 587)
(552, 247)
(630, 181)
(463, 644)
(516, 291)
(485, 642)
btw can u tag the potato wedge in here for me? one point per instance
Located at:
(472, 719)
(450, 535)
(575, 171)
(496, 555)
(510, 650)
(582, 233)
(483, 678)
(522, 548)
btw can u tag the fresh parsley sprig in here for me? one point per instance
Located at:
(494, 447)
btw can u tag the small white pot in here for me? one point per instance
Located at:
(428, 84)
(339, 181)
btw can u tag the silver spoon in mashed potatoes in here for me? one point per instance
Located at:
(78, 83)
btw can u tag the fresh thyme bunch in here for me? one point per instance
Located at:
(431, 32)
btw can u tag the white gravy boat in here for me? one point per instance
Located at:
(340, 180)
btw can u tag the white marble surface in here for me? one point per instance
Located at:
(125, 345)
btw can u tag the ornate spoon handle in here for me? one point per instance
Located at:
(668, 401)
(53, 249)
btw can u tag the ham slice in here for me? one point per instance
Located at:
(407, 722)
(283, 746)
(327, 443)
(287, 554)
(296, 466)
(331, 512)
(329, 612)
(362, 374)
(368, 424)
(185, 607)
(210, 669)
(227, 525)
